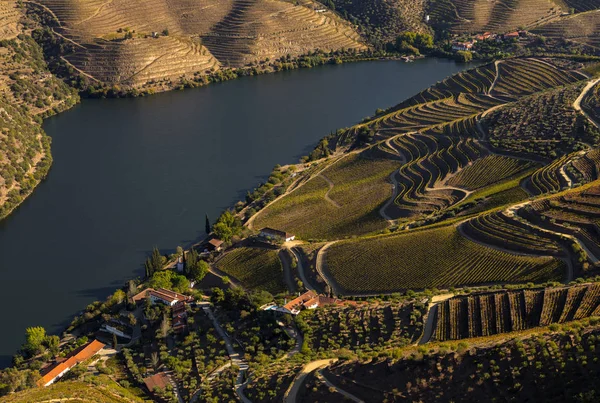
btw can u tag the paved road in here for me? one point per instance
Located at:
(292, 393)
(305, 281)
(286, 263)
(577, 103)
(319, 264)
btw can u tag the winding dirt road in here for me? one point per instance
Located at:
(319, 266)
(577, 103)
(292, 393)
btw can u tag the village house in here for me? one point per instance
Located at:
(485, 36)
(308, 300)
(159, 381)
(162, 295)
(276, 235)
(179, 315)
(512, 35)
(464, 46)
(214, 245)
(58, 370)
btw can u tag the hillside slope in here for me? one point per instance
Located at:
(135, 42)
(493, 15)
(28, 92)
(381, 21)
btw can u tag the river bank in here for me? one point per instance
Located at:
(134, 173)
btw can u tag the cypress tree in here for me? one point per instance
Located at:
(207, 224)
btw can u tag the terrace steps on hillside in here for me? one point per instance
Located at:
(486, 314)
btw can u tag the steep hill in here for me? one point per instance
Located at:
(581, 28)
(552, 367)
(28, 92)
(131, 43)
(493, 15)
(381, 21)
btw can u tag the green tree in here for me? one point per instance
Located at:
(464, 56)
(207, 224)
(161, 279)
(223, 231)
(260, 298)
(199, 271)
(217, 296)
(227, 226)
(180, 284)
(35, 336)
(191, 260)
(52, 343)
(154, 263)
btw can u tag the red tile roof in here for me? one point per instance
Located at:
(160, 380)
(74, 358)
(297, 303)
(215, 242)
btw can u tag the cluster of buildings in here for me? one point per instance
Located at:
(486, 36)
(308, 300)
(161, 295)
(57, 370)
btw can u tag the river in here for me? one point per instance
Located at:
(129, 174)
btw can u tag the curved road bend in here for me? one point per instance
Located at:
(431, 314)
(319, 266)
(342, 392)
(307, 285)
(292, 393)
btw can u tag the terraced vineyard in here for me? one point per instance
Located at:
(480, 315)
(488, 170)
(254, 268)
(495, 16)
(342, 200)
(502, 231)
(551, 367)
(430, 159)
(400, 262)
(520, 129)
(365, 326)
(576, 214)
(136, 42)
(580, 28)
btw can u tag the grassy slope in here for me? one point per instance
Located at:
(254, 268)
(360, 188)
(439, 257)
(103, 391)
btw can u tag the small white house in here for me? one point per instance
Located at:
(276, 235)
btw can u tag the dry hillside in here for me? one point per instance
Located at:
(582, 28)
(494, 15)
(116, 45)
